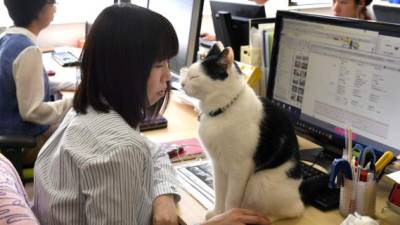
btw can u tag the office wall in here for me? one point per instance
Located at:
(61, 35)
(55, 35)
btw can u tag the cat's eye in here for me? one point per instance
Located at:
(193, 77)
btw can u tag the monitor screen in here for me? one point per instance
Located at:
(231, 22)
(387, 13)
(333, 73)
(185, 16)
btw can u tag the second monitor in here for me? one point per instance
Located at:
(185, 16)
(231, 22)
(387, 13)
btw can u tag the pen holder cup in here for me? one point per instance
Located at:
(366, 198)
(347, 198)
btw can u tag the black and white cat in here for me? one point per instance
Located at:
(251, 143)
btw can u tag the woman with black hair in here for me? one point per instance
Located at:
(25, 108)
(351, 8)
(97, 168)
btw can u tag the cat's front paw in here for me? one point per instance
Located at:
(211, 213)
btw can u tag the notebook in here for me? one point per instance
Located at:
(185, 149)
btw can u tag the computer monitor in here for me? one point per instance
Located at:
(231, 22)
(185, 16)
(387, 13)
(331, 73)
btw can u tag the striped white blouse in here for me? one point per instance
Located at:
(95, 169)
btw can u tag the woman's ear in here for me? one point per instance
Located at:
(360, 9)
(361, 5)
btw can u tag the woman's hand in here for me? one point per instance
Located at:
(164, 211)
(238, 217)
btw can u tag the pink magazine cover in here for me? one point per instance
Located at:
(185, 149)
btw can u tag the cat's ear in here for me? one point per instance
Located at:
(227, 57)
(216, 49)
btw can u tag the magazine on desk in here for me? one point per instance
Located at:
(185, 149)
(196, 178)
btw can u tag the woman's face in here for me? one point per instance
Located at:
(346, 8)
(260, 1)
(157, 82)
(46, 15)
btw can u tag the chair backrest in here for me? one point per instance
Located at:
(11, 146)
(17, 141)
(14, 203)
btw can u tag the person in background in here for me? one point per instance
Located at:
(25, 108)
(97, 168)
(259, 1)
(345, 8)
(351, 8)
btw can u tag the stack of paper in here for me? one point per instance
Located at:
(197, 179)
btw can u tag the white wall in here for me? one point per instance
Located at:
(66, 34)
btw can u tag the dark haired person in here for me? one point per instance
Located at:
(24, 87)
(97, 168)
(351, 8)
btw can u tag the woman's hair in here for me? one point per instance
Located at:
(367, 2)
(364, 10)
(123, 44)
(23, 12)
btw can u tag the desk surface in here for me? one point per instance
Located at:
(182, 123)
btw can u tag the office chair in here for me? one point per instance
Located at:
(12, 146)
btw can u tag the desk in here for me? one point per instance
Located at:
(66, 78)
(182, 123)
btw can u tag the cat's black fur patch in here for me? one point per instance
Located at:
(213, 66)
(215, 50)
(278, 142)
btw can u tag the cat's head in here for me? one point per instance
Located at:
(216, 74)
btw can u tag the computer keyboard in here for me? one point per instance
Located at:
(153, 123)
(315, 191)
(65, 58)
(309, 172)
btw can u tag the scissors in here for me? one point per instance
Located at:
(340, 169)
(365, 156)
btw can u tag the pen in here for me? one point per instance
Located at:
(350, 144)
